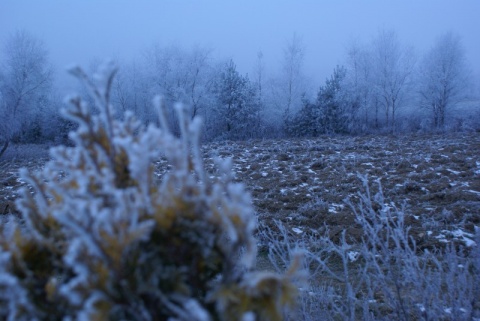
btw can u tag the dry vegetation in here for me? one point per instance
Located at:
(304, 183)
(309, 186)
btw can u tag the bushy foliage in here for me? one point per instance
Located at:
(329, 114)
(306, 122)
(104, 238)
(237, 111)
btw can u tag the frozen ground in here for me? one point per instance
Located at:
(307, 184)
(304, 183)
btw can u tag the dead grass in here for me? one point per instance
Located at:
(304, 183)
(310, 179)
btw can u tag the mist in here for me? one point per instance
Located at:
(296, 68)
(239, 160)
(75, 32)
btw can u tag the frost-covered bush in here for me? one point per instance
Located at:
(385, 276)
(105, 239)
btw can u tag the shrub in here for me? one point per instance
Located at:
(385, 276)
(105, 239)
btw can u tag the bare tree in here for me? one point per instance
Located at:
(199, 78)
(181, 75)
(26, 82)
(393, 71)
(292, 80)
(294, 54)
(130, 91)
(444, 77)
(359, 84)
(4, 141)
(259, 74)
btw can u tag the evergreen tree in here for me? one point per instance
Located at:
(238, 108)
(305, 123)
(329, 114)
(332, 104)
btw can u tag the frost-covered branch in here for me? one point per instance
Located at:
(105, 240)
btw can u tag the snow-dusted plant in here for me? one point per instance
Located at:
(105, 239)
(385, 275)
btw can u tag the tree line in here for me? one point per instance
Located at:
(383, 86)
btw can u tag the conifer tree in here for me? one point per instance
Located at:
(332, 104)
(238, 109)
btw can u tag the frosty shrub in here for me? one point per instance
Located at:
(105, 239)
(385, 276)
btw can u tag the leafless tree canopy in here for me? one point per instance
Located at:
(382, 86)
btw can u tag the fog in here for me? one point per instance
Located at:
(351, 136)
(78, 31)
(250, 69)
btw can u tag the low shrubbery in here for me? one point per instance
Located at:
(103, 238)
(385, 276)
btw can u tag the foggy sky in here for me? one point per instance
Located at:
(76, 31)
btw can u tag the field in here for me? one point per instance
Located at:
(304, 183)
(313, 190)
(354, 204)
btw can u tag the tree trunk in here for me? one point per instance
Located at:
(394, 107)
(4, 148)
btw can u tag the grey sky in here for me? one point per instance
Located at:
(75, 31)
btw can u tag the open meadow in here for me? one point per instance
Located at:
(413, 201)
(304, 183)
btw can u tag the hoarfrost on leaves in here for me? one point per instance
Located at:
(105, 238)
